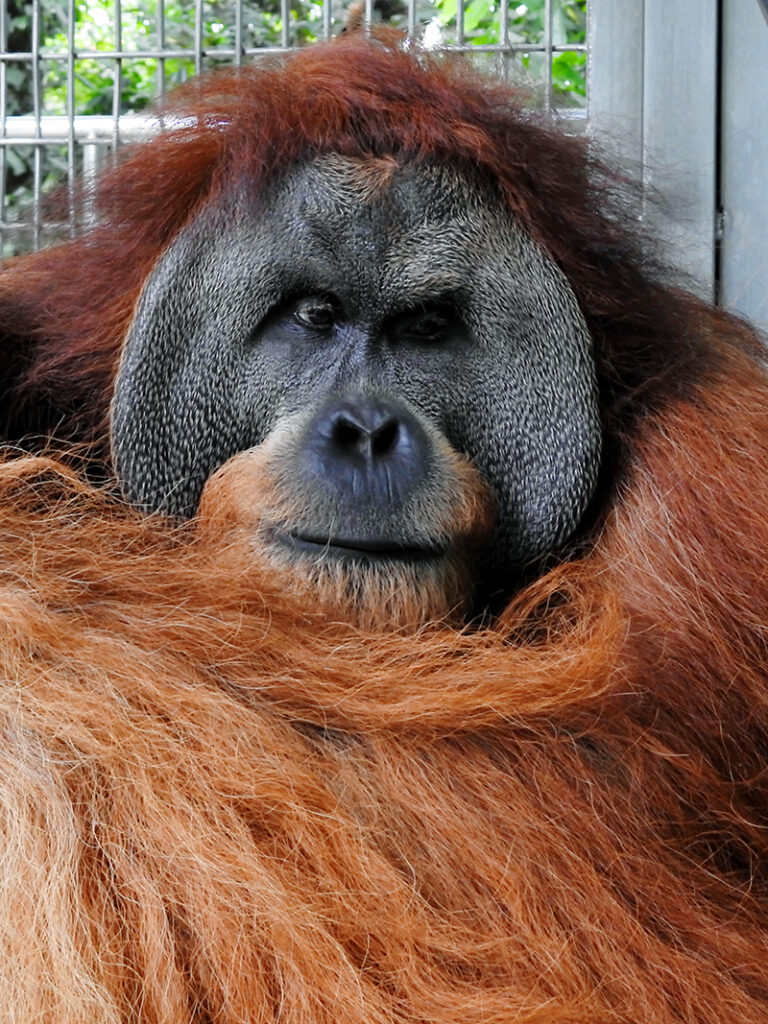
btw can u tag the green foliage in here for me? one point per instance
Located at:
(104, 85)
(141, 79)
(483, 24)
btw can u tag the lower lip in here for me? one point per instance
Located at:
(347, 550)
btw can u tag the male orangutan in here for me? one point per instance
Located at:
(382, 572)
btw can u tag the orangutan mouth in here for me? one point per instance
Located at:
(357, 549)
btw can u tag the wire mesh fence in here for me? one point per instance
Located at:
(76, 76)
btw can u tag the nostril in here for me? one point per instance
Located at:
(385, 438)
(346, 434)
(370, 434)
(370, 451)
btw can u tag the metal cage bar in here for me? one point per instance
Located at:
(3, 119)
(58, 134)
(160, 31)
(199, 36)
(37, 171)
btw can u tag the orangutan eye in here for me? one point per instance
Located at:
(427, 326)
(317, 312)
(433, 323)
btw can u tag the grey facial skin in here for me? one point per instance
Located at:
(364, 286)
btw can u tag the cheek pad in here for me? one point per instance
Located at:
(179, 408)
(531, 416)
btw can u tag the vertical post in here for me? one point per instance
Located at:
(238, 33)
(411, 18)
(37, 171)
(91, 163)
(199, 17)
(71, 115)
(615, 68)
(160, 15)
(503, 64)
(744, 159)
(3, 117)
(548, 56)
(680, 133)
(653, 108)
(285, 15)
(117, 92)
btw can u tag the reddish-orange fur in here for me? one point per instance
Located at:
(221, 805)
(249, 494)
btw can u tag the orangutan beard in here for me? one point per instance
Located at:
(247, 510)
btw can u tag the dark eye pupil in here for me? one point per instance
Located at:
(318, 314)
(427, 325)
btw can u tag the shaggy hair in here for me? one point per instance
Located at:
(220, 804)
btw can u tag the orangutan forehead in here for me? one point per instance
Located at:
(406, 190)
(388, 230)
(379, 226)
(360, 180)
